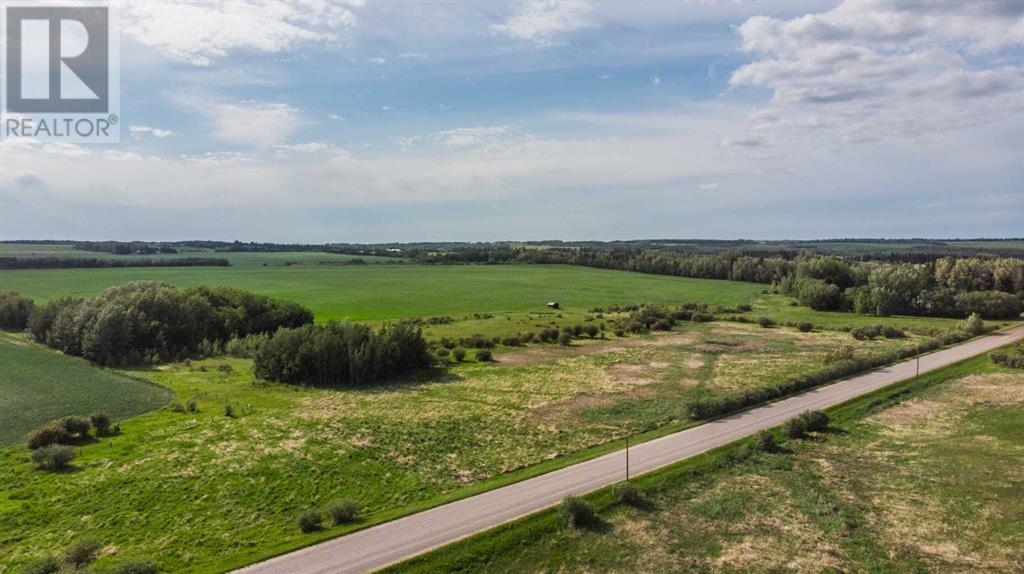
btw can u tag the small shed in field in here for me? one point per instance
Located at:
(553, 305)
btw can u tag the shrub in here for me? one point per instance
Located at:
(484, 355)
(14, 311)
(840, 354)
(815, 420)
(744, 308)
(890, 332)
(76, 426)
(229, 410)
(866, 333)
(511, 341)
(177, 408)
(44, 565)
(310, 521)
(53, 457)
(627, 492)
(795, 427)
(662, 325)
(459, 354)
(576, 513)
(765, 322)
(1013, 359)
(591, 330)
(48, 434)
(701, 317)
(805, 327)
(342, 511)
(764, 441)
(565, 339)
(135, 566)
(82, 551)
(972, 325)
(191, 406)
(100, 422)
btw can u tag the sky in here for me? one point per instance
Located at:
(310, 121)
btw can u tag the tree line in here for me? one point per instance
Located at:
(150, 322)
(95, 262)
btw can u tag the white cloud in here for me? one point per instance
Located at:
(155, 132)
(544, 21)
(656, 81)
(247, 122)
(203, 31)
(413, 56)
(378, 61)
(708, 186)
(867, 71)
(336, 117)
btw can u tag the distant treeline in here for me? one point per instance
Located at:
(125, 247)
(94, 262)
(150, 322)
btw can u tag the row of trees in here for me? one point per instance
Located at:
(95, 262)
(149, 321)
(950, 287)
(339, 354)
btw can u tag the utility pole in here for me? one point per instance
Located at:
(627, 458)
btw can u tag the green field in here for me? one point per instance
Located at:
(374, 292)
(171, 479)
(37, 385)
(237, 259)
(927, 480)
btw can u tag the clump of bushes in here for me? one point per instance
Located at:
(338, 354)
(484, 355)
(79, 555)
(765, 322)
(1013, 359)
(764, 441)
(809, 421)
(53, 457)
(627, 492)
(576, 512)
(805, 327)
(61, 431)
(135, 566)
(14, 311)
(459, 354)
(342, 511)
(82, 552)
(229, 410)
(870, 332)
(101, 422)
(565, 339)
(310, 521)
(972, 325)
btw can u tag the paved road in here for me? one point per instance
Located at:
(400, 539)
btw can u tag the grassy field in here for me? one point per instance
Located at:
(37, 385)
(173, 484)
(923, 477)
(375, 292)
(237, 259)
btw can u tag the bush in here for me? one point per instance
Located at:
(744, 308)
(459, 354)
(100, 422)
(191, 406)
(815, 420)
(765, 322)
(764, 441)
(972, 325)
(795, 427)
(229, 410)
(76, 426)
(46, 435)
(511, 341)
(14, 311)
(1013, 359)
(310, 521)
(701, 317)
(866, 333)
(627, 492)
(662, 325)
(135, 566)
(805, 327)
(44, 565)
(484, 355)
(576, 513)
(53, 457)
(890, 332)
(342, 511)
(591, 330)
(82, 552)
(565, 339)
(177, 408)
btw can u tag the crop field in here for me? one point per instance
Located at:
(931, 483)
(37, 385)
(376, 292)
(171, 479)
(238, 259)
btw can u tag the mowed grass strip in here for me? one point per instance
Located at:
(378, 292)
(38, 385)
